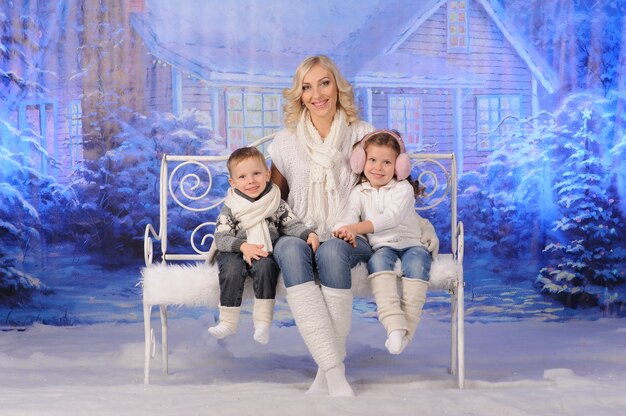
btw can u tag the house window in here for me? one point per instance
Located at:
(251, 115)
(75, 127)
(458, 26)
(496, 117)
(39, 119)
(405, 115)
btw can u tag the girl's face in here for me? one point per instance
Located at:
(319, 93)
(380, 165)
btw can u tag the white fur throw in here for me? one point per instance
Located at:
(198, 285)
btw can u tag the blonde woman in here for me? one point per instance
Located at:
(310, 164)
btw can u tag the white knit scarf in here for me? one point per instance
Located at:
(323, 199)
(252, 214)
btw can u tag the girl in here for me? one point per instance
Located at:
(382, 207)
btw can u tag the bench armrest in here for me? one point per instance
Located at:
(148, 249)
(460, 242)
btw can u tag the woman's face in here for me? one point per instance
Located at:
(319, 93)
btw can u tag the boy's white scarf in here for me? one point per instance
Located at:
(252, 214)
(323, 199)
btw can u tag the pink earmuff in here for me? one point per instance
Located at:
(403, 163)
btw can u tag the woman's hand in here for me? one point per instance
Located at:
(314, 241)
(252, 252)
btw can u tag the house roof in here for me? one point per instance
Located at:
(536, 63)
(362, 36)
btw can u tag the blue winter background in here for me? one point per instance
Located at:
(528, 94)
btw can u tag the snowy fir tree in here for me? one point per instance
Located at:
(119, 192)
(551, 193)
(494, 200)
(585, 253)
(30, 204)
(30, 199)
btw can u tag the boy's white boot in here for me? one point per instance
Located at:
(312, 317)
(262, 315)
(413, 299)
(229, 319)
(390, 313)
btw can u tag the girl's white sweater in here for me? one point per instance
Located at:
(391, 209)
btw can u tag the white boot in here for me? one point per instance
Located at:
(413, 299)
(319, 385)
(339, 304)
(310, 312)
(262, 314)
(396, 341)
(229, 319)
(390, 313)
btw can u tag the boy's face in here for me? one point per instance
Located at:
(250, 176)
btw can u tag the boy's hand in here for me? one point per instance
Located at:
(346, 234)
(314, 241)
(252, 252)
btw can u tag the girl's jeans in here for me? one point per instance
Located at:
(415, 260)
(334, 260)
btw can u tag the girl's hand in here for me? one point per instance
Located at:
(314, 241)
(346, 234)
(252, 252)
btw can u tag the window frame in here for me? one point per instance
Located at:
(412, 138)
(49, 144)
(491, 128)
(249, 120)
(457, 26)
(75, 131)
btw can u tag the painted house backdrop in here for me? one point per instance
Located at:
(529, 98)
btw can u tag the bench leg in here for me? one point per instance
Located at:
(147, 328)
(453, 331)
(460, 313)
(163, 313)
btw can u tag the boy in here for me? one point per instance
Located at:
(251, 220)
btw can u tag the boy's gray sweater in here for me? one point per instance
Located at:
(229, 236)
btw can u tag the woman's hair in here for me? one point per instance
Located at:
(293, 106)
(385, 139)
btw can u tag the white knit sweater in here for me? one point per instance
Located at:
(391, 209)
(293, 162)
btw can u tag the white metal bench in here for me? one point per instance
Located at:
(181, 276)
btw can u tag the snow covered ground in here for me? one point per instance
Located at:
(525, 356)
(524, 367)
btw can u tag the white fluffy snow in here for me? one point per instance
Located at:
(527, 367)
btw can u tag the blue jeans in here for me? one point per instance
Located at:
(415, 260)
(334, 260)
(233, 271)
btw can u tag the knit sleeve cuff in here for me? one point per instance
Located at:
(305, 234)
(237, 245)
